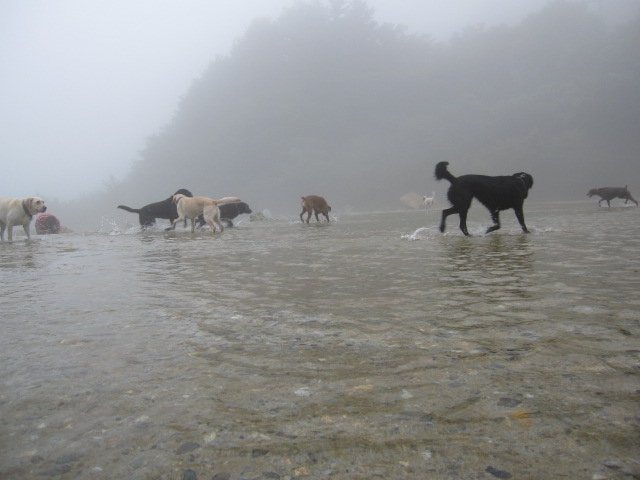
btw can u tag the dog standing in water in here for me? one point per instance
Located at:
(229, 211)
(193, 207)
(429, 201)
(19, 211)
(314, 204)
(609, 193)
(163, 209)
(495, 193)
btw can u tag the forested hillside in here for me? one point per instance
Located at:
(325, 100)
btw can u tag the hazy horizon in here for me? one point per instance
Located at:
(90, 83)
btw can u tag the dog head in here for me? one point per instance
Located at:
(183, 191)
(34, 205)
(524, 178)
(592, 192)
(244, 208)
(177, 197)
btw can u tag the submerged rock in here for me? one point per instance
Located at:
(497, 473)
(508, 402)
(189, 475)
(187, 447)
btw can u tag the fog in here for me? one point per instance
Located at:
(125, 102)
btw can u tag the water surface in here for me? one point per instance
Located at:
(370, 347)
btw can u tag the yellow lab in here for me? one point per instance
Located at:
(193, 207)
(18, 211)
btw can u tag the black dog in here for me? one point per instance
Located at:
(164, 209)
(495, 193)
(228, 211)
(609, 193)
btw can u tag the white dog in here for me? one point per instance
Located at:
(18, 211)
(429, 201)
(193, 207)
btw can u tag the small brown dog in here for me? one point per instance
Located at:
(609, 193)
(314, 204)
(192, 208)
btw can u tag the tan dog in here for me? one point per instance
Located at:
(193, 207)
(314, 204)
(18, 211)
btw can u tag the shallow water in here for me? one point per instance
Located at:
(370, 347)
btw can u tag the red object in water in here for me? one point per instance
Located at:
(47, 223)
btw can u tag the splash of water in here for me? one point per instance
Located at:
(417, 235)
(109, 226)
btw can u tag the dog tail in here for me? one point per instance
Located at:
(442, 172)
(228, 200)
(129, 209)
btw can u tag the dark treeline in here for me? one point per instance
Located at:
(326, 100)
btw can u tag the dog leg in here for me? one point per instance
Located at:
(445, 214)
(216, 218)
(443, 220)
(463, 223)
(212, 225)
(175, 222)
(26, 230)
(10, 233)
(495, 216)
(520, 217)
(302, 213)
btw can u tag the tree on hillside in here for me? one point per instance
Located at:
(326, 100)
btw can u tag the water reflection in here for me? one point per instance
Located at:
(493, 266)
(19, 254)
(490, 254)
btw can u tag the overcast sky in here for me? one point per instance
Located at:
(83, 83)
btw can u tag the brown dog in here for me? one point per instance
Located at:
(609, 193)
(192, 208)
(314, 204)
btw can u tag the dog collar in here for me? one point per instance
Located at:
(26, 210)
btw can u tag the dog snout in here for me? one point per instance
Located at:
(44, 208)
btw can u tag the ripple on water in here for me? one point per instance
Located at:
(336, 350)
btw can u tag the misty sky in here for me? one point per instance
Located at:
(84, 83)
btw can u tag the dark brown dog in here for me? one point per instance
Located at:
(495, 193)
(314, 204)
(609, 193)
